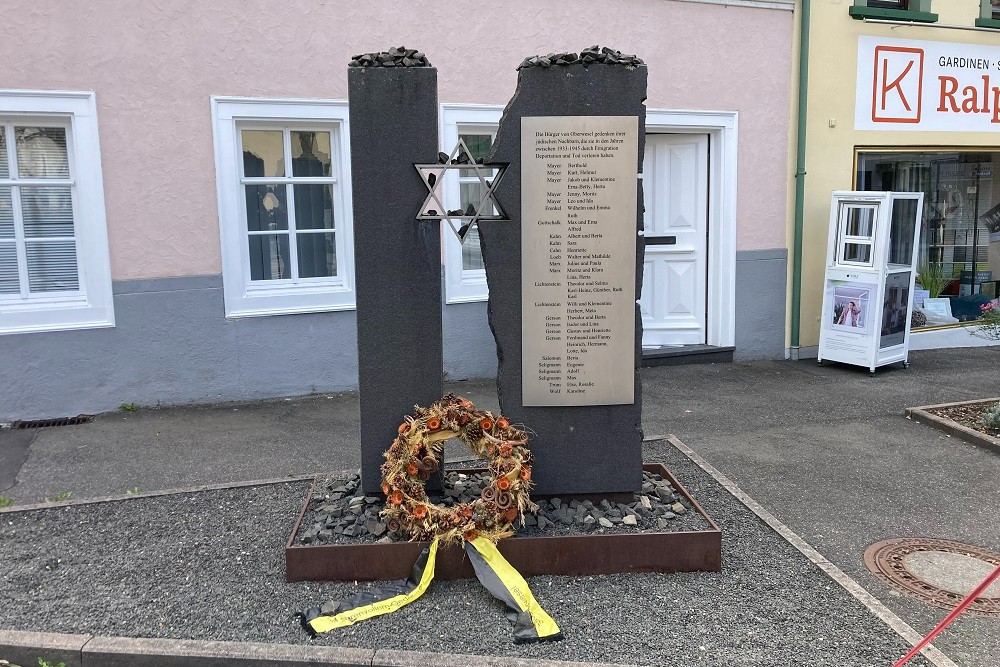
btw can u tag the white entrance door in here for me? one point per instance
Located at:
(675, 271)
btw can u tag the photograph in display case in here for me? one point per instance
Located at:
(895, 311)
(851, 309)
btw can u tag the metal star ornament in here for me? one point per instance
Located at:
(433, 176)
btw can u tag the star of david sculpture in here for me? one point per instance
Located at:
(461, 221)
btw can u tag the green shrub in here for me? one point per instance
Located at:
(991, 417)
(6, 501)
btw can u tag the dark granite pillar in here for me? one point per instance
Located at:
(579, 449)
(394, 125)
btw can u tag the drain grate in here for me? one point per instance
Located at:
(888, 560)
(46, 423)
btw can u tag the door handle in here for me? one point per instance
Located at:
(661, 240)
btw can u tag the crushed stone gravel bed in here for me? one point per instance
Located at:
(210, 566)
(340, 513)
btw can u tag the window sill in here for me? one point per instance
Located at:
(56, 326)
(861, 13)
(304, 310)
(988, 23)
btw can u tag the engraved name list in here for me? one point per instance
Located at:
(578, 245)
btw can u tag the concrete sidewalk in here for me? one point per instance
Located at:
(826, 449)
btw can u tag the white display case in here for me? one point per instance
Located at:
(870, 272)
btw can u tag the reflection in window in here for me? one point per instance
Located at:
(904, 211)
(291, 226)
(37, 223)
(471, 194)
(960, 216)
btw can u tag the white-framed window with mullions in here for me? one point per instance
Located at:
(476, 124)
(283, 177)
(55, 270)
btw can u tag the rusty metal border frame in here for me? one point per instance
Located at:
(568, 555)
(885, 560)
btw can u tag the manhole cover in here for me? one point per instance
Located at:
(938, 572)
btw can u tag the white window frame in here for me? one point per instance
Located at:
(93, 305)
(462, 286)
(281, 297)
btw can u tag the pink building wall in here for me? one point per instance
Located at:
(154, 65)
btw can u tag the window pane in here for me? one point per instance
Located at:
(860, 222)
(317, 255)
(47, 211)
(904, 220)
(857, 253)
(479, 145)
(310, 153)
(52, 266)
(4, 168)
(266, 208)
(6, 215)
(472, 254)
(269, 257)
(8, 269)
(41, 152)
(314, 207)
(263, 153)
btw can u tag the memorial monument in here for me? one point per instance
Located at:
(567, 324)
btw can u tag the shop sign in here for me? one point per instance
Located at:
(911, 85)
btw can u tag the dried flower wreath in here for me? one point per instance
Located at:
(415, 454)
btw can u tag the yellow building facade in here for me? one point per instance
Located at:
(903, 95)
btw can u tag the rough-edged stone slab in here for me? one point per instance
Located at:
(394, 125)
(593, 449)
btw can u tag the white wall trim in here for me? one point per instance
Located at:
(462, 286)
(722, 128)
(785, 5)
(278, 300)
(93, 307)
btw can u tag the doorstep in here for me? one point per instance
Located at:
(677, 355)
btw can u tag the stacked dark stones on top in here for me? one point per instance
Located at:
(595, 54)
(394, 57)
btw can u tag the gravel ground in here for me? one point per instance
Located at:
(210, 566)
(340, 513)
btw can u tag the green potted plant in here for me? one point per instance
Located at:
(932, 278)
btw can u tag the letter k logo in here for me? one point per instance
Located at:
(898, 84)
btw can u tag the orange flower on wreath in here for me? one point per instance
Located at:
(502, 423)
(396, 498)
(412, 469)
(433, 423)
(470, 535)
(525, 473)
(510, 514)
(486, 424)
(420, 511)
(506, 449)
(386, 489)
(503, 483)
